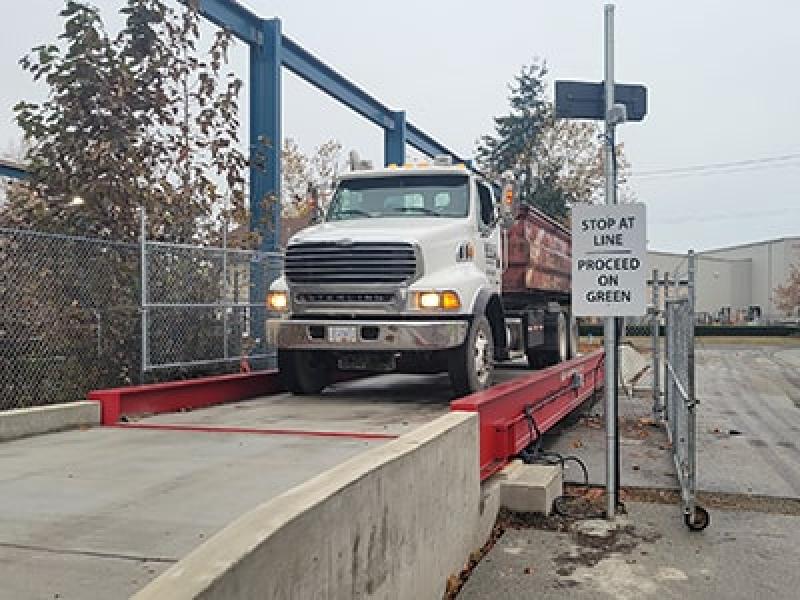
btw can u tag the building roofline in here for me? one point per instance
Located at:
(700, 255)
(751, 244)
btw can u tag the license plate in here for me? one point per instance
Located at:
(338, 334)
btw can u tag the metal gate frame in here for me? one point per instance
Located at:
(680, 403)
(675, 401)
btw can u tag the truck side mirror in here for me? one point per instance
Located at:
(508, 208)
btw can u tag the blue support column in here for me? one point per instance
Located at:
(265, 162)
(394, 140)
(265, 134)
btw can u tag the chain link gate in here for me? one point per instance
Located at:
(674, 401)
(680, 404)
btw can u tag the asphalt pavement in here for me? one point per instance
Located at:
(748, 472)
(742, 556)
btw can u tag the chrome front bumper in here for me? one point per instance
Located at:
(370, 335)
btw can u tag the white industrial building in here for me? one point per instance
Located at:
(737, 283)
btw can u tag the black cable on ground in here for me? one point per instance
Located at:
(533, 454)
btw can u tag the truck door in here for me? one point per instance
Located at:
(489, 249)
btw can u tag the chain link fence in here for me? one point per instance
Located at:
(83, 313)
(204, 305)
(70, 318)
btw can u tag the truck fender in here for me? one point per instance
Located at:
(488, 303)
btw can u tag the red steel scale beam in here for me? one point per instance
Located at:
(549, 395)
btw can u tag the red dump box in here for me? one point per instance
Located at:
(538, 254)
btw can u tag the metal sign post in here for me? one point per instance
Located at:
(614, 104)
(609, 329)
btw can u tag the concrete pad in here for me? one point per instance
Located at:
(400, 538)
(742, 555)
(80, 506)
(531, 488)
(97, 513)
(23, 422)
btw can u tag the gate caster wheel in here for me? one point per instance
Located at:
(701, 519)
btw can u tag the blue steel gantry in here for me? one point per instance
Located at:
(270, 50)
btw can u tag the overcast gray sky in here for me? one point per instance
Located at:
(721, 77)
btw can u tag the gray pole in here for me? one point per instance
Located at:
(691, 270)
(143, 267)
(609, 333)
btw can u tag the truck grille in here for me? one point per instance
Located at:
(360, 262)
(349, 298)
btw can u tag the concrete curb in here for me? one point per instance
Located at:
(392, 522)
(23, 422)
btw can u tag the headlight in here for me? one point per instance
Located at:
(448, 300)
(278, 301)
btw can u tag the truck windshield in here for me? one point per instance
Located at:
(409, 196)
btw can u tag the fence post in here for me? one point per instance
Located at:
(691, 276)
(143, 270)
(225, 287)
(665, 397)
(654, 327)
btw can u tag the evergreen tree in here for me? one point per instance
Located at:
(557, 162)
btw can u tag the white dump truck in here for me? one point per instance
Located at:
(421, 269)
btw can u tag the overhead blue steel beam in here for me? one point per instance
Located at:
(12, 170)
(424, 143)
(231, 15)
(311, 69)
(246, 25)
(307, 66)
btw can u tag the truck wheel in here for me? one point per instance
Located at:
(471, 365)
(303, 372)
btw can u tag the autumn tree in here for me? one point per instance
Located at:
(146, 117)
(142, 118)
(787, 296)
(557, 162)
(308, 178)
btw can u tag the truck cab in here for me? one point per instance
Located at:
(403, 273)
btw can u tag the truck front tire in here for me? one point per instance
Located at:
(471, 365)
(304, 372)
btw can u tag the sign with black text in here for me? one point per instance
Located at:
(609, 256)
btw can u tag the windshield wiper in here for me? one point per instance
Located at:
(352, 211)
(421, 209)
